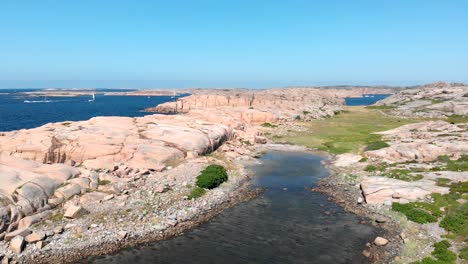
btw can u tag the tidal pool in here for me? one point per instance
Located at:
(287, 223)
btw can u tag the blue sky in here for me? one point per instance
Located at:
(243, 43)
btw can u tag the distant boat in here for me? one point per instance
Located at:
(94, 98)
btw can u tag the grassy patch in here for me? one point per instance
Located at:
(269, 125)
(456, 119)
(363, 159)
(414, 213)
(212, 177)
(381, 107)
(460, 164)
(196, 193)
(376, 145)
(104, 182)
(350, 131)
(403, 174)
(441, 253)
(464, 253)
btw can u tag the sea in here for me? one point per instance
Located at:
(19, 110)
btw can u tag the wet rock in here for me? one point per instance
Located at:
(380, 220)
(366, 253)
(17, 244)
(380, 241)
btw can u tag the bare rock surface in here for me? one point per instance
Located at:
(260, 106)
(424, 142)
(435, 100)
(378, 190)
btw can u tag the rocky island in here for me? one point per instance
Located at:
(70, 190)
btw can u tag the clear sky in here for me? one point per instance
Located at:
(248, 43)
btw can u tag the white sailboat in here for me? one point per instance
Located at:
(94, 98)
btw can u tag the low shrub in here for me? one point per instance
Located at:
(376, 145)
(455, 223)
(196, 193)
(363, 159)
(413, 213)
(441, 253)
(464, 253)
(212, 177)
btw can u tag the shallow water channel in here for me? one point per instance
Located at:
(285, 224)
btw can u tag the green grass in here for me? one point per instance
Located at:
(441, 254)
(454, 216)
(403, 174)
(415, 213)
(269, 125)
(464, 253)
(375, 145)
(381, 107)
(104, 182)
(350, 131)
(212, 177)
(196, 193)
(460, 164)
(456, 119)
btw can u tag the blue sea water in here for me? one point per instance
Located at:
(367, 99)
(15, 113)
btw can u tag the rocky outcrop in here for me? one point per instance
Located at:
(146, 142)
(44, 167)
(378, 190)
(436, 100)
(416, 145)
(258, 106)
(424, 142)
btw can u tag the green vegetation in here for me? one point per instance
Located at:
(212, 177)
(375, 145)
(441, 253)
(456, 119)
(453, 165)
(454, 214)
(196, 193)
(363, 159)
(381, 107)
(350, 131)
(414, 213)
(246, 142)
(464, 253)
(455, 223)
(104, 182)
(403, 174)
(305, 112)
(269, 125)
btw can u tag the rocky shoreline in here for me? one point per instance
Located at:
(348, 195)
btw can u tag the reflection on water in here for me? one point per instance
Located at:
(281, 226)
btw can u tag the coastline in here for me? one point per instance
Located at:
(80, 250)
